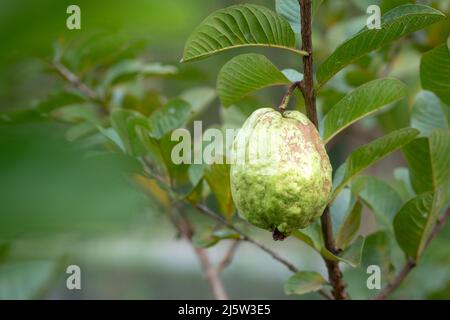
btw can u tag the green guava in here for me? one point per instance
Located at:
(281, 173)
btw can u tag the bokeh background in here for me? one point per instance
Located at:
(65, 199)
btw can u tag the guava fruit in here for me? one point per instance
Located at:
(280, 172)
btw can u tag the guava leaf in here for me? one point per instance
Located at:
(304, 282)
(239, 26)
(428, 113)
(128, 68)
(377, 251)
(350, 226)
(395, 24)
(414, 222)
(124, 122)
(218, 178)
(361, 102)
(244, 74)
(312, 237)
(374, 189)
(428, 160)
(353, 254)
(172, 116)
(371, 153)
(435, 72)
(207, 236)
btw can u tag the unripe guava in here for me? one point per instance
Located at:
(281, 173)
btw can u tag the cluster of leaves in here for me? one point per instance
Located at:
(112, 99)
(408, 210)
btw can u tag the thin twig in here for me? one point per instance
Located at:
(211, 275)
(410, 263)
(186, 230)
(75, 82)
(247, 238)
(226, 260)
(307, 88)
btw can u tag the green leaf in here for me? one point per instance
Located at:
(377, 251)
(350, 227)
(428, 160)
(353, 254)
(76, 113)
(371, 153)
(414, 222)
(304, 282)
(290, 10)
(207, 236)
(244, 74)
(239, 26)
(196, 173)
(173, 115)
(127, 68)
(218, 178)
(313, 238)
(428, 113)
(123, 122)
(360, 103)
(402, 183)
(395, 24)
(374, 189)
(435, 72)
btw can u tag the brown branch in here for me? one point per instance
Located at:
(211, 274)
(307, 85)
(308, 91)
(410, 263)
(226, 260)
(245, 237)
(76, 83)
(204, 209)
(186, 230)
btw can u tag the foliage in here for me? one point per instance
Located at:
(121, 109)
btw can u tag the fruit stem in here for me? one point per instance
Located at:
(287, 96)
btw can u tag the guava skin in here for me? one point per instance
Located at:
(282, 180)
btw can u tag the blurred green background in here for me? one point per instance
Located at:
(65, 198)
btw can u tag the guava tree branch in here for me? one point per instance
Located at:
(228, 257)
(207, 211)
(80, 86)
(308, 91)
(410, 263)
(186, 230)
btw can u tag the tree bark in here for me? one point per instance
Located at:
(307, 88)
